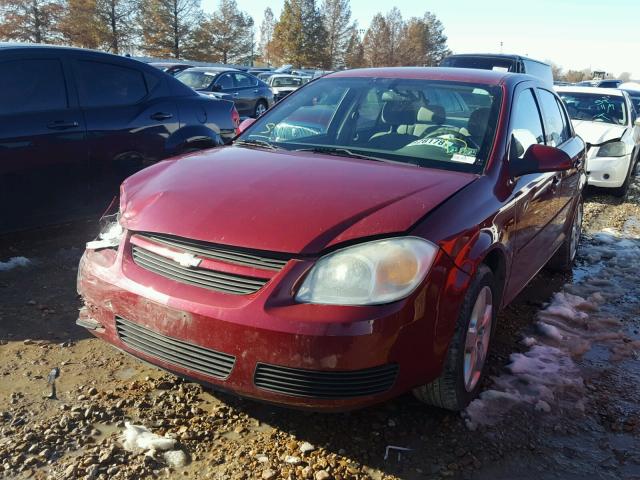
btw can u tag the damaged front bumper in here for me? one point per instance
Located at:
(264, 345)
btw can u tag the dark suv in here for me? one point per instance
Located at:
(69, 118)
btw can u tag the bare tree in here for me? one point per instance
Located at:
(30, 20)
(266, 36)
(354, 53)
(625, 76)
(118, 17)
(80, 25)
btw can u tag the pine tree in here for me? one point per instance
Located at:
(226, 36)
(377, 51)
(30, 20)
(314, 36)
(336, 16)
(288, 37)
(436, 40)
(354, 52)
(167, 26)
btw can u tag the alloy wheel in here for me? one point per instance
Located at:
(477, 339)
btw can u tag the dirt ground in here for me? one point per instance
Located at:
(575, 422)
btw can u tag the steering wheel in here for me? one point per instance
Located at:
(469, 142)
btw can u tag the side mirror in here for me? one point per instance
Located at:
(216, 88)
(540, 159)
(246, 123)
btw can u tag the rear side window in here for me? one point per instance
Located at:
(245, 81)
(225, 81)
(32, 86)
(526, 126)
(106, 84)
(556, 129)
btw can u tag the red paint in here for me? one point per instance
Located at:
(305, 204)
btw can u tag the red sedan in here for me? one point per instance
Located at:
(354, 243)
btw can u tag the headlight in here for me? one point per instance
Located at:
(370, 273)
(613, 149)
(111, 234)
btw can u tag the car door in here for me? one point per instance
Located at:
(247, 92)
(128, 112)
(42, 138)
(559, 133)
(226, 84)
(536, 193)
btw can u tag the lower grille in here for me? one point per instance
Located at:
(183, 354)
(200, 277)
(325, 384)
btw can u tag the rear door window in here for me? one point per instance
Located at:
(32, 86)
(225, 81)
(526, 125)
(106, 84)
(555, 127)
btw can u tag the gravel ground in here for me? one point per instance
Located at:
(79, 434)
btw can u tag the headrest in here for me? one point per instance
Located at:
(432, 114)
(401, 112)
(478, 122)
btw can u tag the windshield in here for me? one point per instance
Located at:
(595, 107)
(635, 99)
(197, 80)
(482, 63)
(427, 123)
(286, 81)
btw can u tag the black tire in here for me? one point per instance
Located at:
(448, 391)
(562, 260)
(260, 104)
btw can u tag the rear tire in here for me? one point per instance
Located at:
(562, 260)
(460, 380)
(261, 107)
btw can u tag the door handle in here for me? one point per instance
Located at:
(62, 125)
(161, 116)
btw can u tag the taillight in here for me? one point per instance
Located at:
(235, 117)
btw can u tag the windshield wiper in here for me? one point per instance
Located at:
(257, 143)
(345, 152)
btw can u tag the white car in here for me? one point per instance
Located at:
(284, 84)
(607, 122)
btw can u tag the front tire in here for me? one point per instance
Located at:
(463, 370)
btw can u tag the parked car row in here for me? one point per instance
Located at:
(252, 97)
(71, 114)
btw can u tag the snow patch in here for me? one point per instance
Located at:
(547, 377)
(14, 262)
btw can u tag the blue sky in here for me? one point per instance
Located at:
(603, 35)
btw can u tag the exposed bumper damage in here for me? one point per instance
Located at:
(263, 345)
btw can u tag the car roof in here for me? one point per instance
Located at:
(511, 56)
(212, 69)
(469, 75)
(594, 90)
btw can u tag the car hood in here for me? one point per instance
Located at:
(281, 201)
(598, 132)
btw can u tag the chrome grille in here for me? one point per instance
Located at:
(176, 352)
(200, 277)
(208, 250)
(325, 384)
